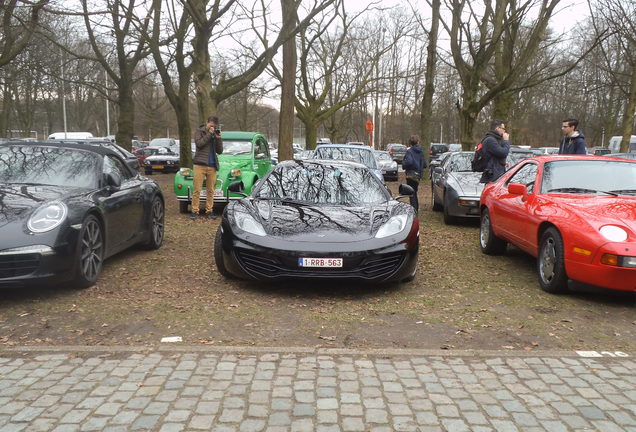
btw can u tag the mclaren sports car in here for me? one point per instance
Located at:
(319, 219)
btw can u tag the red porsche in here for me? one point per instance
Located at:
(576, 214)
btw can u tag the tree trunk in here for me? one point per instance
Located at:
(429, 88)
(502, 107)
(467, 119)
(288, 86)
(126, 118)
(628, 116)
(311, 134)
(185, 136)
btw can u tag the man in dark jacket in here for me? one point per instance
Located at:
(496, 148)
(207, 139)
(573, 141)
(414, 165)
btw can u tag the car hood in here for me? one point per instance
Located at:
(228, 162)
(466, 183)
(320, 223)
(599, 210)
(17, 200)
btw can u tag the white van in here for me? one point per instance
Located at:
(615, 144)
(70, 135)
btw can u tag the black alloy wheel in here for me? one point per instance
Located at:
(90, 253)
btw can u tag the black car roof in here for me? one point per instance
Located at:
(92, 146)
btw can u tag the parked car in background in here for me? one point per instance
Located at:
(579, 226)
(435, 163)
(305, 154)
(164, 160)
(131, 159)
(631, 156)
(435, 150)
(66, 207)
(355, 153)
(70, 135)
(143, 152)
(454, 147)
(598, 151)
(615, 143)
(396, 151)
(455, 188)
(170, 143)
(360, 143)
(319, 219)
(547, 150)
(387, 165)
(245, 158)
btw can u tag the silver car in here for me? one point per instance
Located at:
(387, 165)
(455, 188)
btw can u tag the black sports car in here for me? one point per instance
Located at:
(319, 219)
(66, 207)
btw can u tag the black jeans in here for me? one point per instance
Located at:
(414, 202)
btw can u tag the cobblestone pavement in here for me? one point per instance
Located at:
(241, 389)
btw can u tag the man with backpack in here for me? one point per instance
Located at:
(495, 149)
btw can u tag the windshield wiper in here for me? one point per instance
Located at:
(578, 190)
(624, 191)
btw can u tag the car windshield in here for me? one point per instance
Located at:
(398, 147)
(237, 147)
(383, 156)
(48, 166)
(322, 183)
(361, 155)
(460, 162)
(589, 177)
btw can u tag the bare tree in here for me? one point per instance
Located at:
(20, 19)
(620, 18)
(211, 92)
(492, 53)
(288, 84)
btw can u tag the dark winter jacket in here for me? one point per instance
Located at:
(208, 145)
(496, 150)
(414, 160)
(574, 144)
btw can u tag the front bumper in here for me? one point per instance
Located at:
(461, 206)
(38, 265)
(250, 261)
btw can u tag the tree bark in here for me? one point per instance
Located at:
(288, 85)
(429, 87)
(628, 115)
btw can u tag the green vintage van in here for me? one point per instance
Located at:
(245, 157)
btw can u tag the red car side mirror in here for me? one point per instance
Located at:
(517, 189)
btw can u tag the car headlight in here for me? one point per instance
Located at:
(235, 172)
(47, 217)
(185, 171)
(614, 233)
(393, 226)
(247, 223)
(147, 162)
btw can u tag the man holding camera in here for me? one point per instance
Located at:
(207, 139)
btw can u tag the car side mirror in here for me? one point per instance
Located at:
(112, 180)
(517, 189)
(437, 170)
(405, 191)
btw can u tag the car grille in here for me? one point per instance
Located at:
(18, 265)
(374, 267)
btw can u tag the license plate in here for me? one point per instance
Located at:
(320, 262)
(218, 192)
(157, 167)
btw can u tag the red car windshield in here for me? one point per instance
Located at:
(589, 177)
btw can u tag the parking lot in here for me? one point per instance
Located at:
(460, 299)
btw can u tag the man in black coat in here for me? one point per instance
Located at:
(496, 148)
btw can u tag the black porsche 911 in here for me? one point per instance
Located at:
(319, 219)
(65, 207)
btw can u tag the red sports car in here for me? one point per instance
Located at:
(576, 214)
